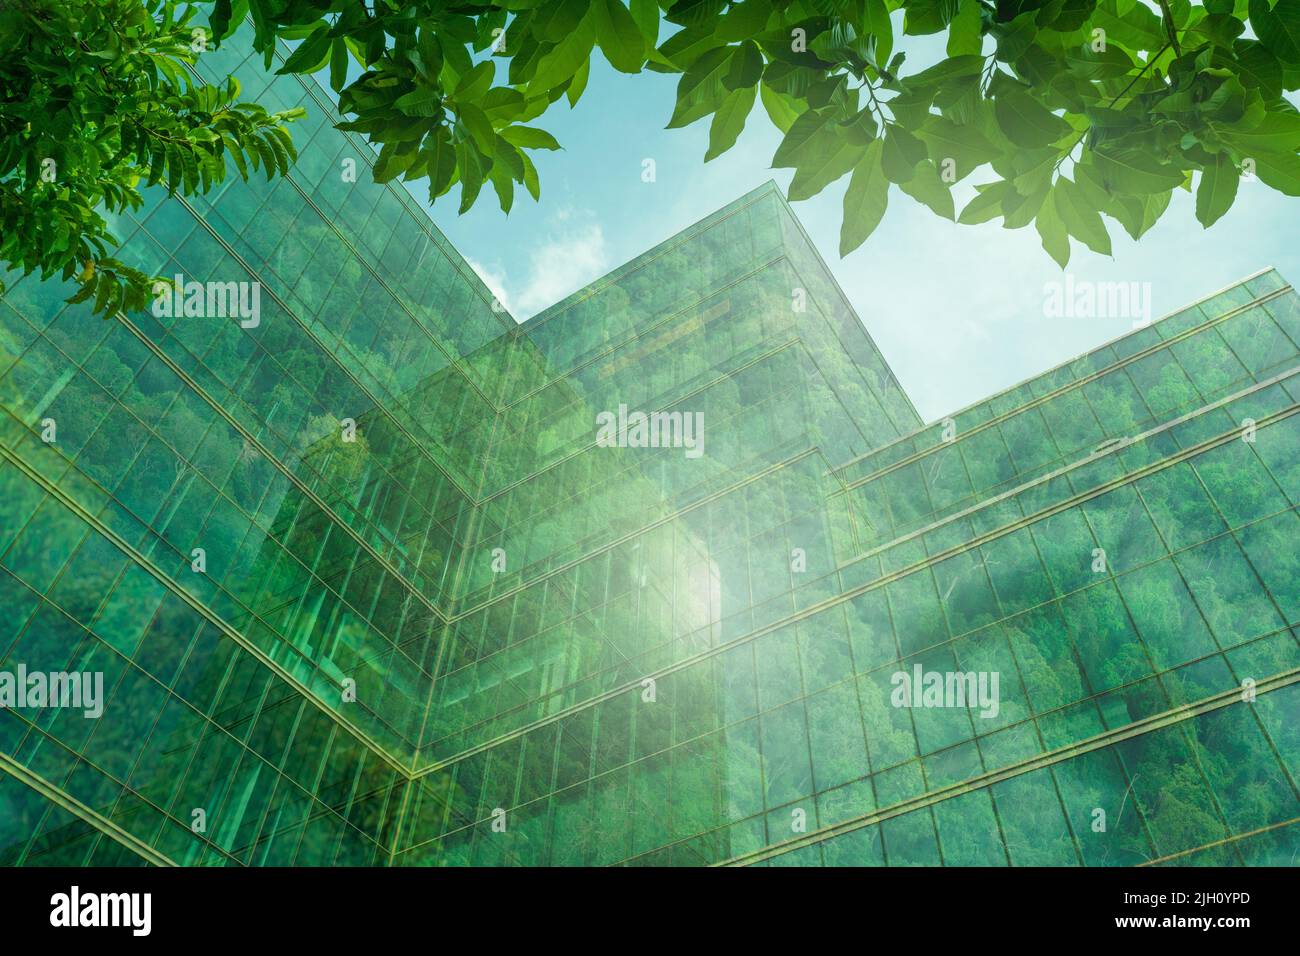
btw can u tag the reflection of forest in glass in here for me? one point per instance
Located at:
(521, 689)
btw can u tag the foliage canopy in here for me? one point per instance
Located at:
(1084, 110)
(96, 100)
(1081, 108)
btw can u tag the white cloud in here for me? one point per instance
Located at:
(569, 259)
(573, 254)
(495, 279)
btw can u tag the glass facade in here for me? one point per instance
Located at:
(370, 582)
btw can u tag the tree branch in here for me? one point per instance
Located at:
(1167, 17)
(1118, 96)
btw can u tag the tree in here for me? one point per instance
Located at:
(96, 100)
(1080, 108)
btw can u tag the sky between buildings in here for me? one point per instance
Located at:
(958, 311)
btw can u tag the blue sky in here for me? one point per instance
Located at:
(956, 310)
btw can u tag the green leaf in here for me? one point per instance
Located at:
(478, 125)
(1216, 28)
(310, 55)
(263, 31)
(338, 64)
(393, 161)
(1034, 169)
(988, 204)
(923, 17)
(865, 199)
(439, 157)
(700, 91)
(816, 171)
(1090, 64)
(456, 60)
(578, 84)
(694, 13)
(646, 15)
(684, 47)
(903, 152)
(1281, 171)
(236, 153)
(503, 185)
(746, 67)
(557, 19)
(1278, 27)
(530, 177)
(1217, 190)
(423, 101)
(729, 120)
(1133, 171)
(1278, 132)
(1137, 27)
(470, 165)
(501, 103)
(1052, 231)
(529, 137)
(104, 287)
(430, 50)
(474, 84)
(927, 186)
(945, 71)
(781, 109)
(800, 138)
(1257, 67)
(176, 166)
(224, 14)
(964, 144)
(619, 36)
(876, 25)
(742, 21)
(1137, 214)
(1081, 219)
(964, 36)
(566, 57)
(1026, 122)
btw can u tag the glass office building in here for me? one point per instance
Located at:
(670, 574)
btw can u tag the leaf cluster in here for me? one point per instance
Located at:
(99, 98)
(1084, 110)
